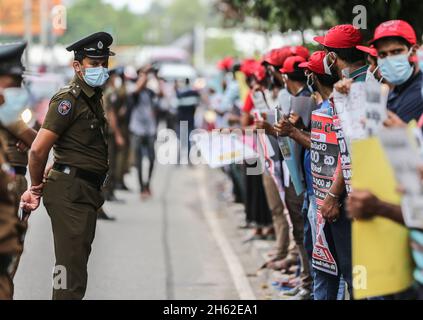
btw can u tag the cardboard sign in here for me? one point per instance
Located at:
(404, 158)
(380, 247)
(220, 150)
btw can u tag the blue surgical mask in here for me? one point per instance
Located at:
(15, 101)
(96, 77)
(396, 69)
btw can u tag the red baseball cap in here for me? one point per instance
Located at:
(341, 37)
(289, 64)
(259, 72)
(248, 66)
(369, 50)
(395, 28)
(225, 63)
(315, 63)
(277, 57)
(300, 51)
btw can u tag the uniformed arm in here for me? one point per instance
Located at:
(38, 157)
(112, 118)
(22, 132)
(28, 137)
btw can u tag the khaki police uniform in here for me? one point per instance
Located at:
(72, 192)
(12, 178)
(122, 158)
(18, 161)
(110, 105)
(10, 227)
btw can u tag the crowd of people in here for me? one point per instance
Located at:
(305, 197)
(304, 114)
(99, 126)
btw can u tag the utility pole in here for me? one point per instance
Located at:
(28, 27)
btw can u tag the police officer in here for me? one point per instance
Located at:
(112, 104)
(75, 127)
(16, 135)
(13, 99)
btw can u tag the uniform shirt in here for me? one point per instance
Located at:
(113, 102)
(406, 100)
(81, 131)
(10, 134)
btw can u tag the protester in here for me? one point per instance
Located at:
(143, 128)
(256, 206)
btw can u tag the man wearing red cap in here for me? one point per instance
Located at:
(283, 258)
(395, 42)
(295, 84)
(256, 206)
(396, 45)
(273, 61)
(343, 60)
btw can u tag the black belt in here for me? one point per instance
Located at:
(19, 170)
(93, 178)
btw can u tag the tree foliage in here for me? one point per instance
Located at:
(287, 15)
(163, 23)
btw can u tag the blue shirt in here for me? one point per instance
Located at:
(406, 100)
(417, 249)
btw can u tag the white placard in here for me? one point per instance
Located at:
(404, 158)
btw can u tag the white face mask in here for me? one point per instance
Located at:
(328, 67)
(370, 76)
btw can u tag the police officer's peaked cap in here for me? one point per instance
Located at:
(93, 46)
(10, 58)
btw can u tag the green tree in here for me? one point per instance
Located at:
(88, 16)
(286, 15)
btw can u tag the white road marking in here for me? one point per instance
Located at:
(236, 270)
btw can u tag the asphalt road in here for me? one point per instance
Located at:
(172, 246)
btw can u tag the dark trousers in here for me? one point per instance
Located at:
(338, 235)
(72, 205)
(144, 148)
(185, 117)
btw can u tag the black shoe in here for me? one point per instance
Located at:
(101, 215)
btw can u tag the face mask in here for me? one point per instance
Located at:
(15, 101)
(311, 84)
(396, 69)
(326, 65)
(370, 76)
(96, 77)
(328, 70)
